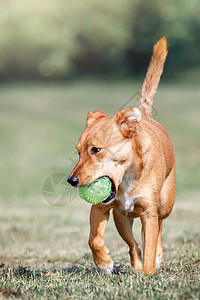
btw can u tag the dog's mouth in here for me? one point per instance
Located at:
(113, 192)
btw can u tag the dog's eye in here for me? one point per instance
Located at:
(95, 150)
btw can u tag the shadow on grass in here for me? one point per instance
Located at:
(80, 269)
(77, 269)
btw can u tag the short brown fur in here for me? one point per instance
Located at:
(137, 154)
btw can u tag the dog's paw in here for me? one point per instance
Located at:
(158, 262)
(107, 269)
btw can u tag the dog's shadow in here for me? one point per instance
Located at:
(78, 269)
(75, 269)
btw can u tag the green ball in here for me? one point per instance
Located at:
(97, 191)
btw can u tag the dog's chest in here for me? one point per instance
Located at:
(127, 202)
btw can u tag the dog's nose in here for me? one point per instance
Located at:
(73, 180)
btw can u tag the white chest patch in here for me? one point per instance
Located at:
(127, 184)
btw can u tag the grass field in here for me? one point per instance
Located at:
(43, 248)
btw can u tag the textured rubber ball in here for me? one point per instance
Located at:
(97, 191)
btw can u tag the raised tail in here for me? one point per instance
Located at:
(152, 78)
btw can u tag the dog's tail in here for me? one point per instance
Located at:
(153, 77)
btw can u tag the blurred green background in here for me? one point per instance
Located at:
(59, 60)
(66, 39)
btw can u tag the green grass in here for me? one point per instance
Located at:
(43, 248)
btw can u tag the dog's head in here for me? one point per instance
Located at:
(108, 147)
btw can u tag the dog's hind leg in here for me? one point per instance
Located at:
(159, 251)
(167, 199)
(98, 221)
(124, 227)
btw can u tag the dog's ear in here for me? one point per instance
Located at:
(127, 120)
(95, 115)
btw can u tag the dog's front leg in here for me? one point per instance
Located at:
(98, 221)
(150, 239)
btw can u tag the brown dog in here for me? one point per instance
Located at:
(135, 152)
